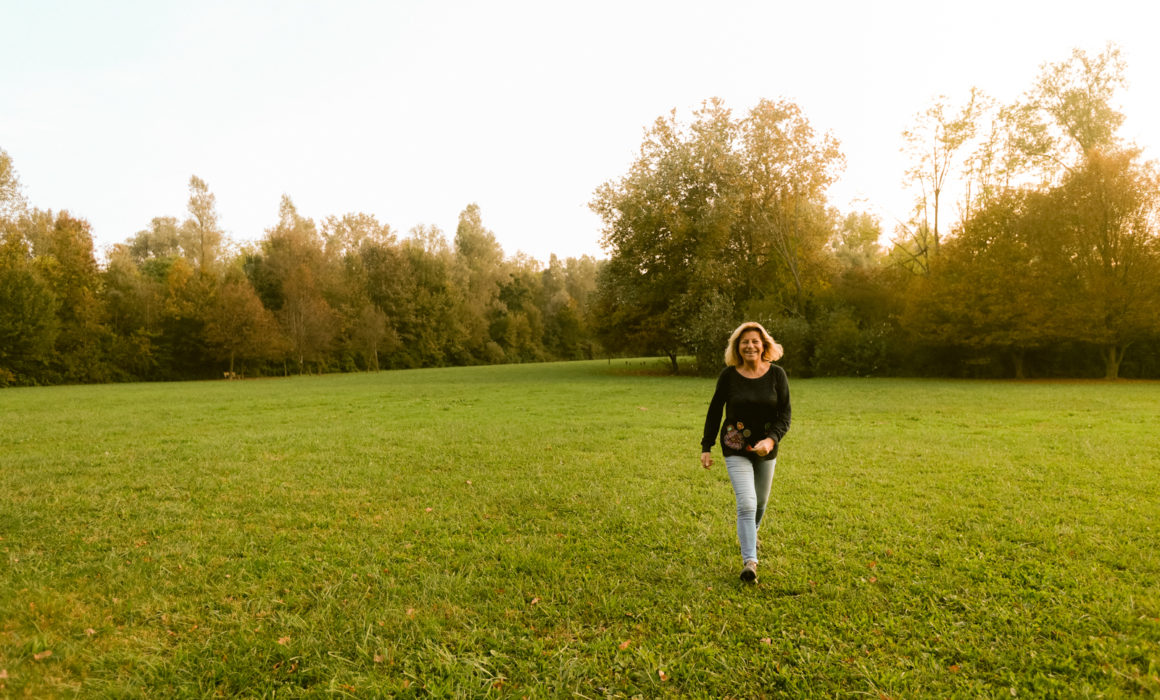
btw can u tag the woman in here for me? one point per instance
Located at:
(754, 393)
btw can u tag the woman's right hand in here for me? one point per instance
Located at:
(706, 460)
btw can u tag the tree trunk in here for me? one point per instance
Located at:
(231, 363)
(1113, 355)
(1017, 358)
(673, 360)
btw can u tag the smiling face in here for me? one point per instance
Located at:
(750, 347)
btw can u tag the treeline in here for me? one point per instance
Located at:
(1033, 250)
(1049, 267)
(176, 301)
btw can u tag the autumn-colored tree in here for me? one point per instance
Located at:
(64, 259)
(237, 326)
(1107, 251)
(990, 290)
(291, 276)
(28, 311)
(12, 202)
(200, 234)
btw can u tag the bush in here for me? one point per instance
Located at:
(846, 349)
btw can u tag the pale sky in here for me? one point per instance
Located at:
(412, 110)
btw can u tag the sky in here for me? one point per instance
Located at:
(412, 110)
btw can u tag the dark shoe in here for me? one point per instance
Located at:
(749, 573)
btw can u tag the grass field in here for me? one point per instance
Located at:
(547, 531)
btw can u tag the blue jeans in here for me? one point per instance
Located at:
(751, 480)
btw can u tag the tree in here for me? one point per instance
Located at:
(160, 241)
(991, 290)
(665, 223)
(28, 311)
(11, 198)
(854, 243)
(933, 144)
(64, 259)
(1070, 111)
(201, 235)
(291, 276)
(711, 216)
(237, 326)
(787, 168)
(480, 270)
(1108, 210)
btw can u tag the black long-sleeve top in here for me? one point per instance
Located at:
(754, 410)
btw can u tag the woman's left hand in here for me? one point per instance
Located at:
(762, 448)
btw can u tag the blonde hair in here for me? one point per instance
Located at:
(771, 350)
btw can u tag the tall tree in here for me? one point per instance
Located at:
(480, 270)
(291, 276)
(787, 169)
(28, 311)
(1070, 111)
(201, 235)
(11, 197)
(1108, 212)
(65, 261)
(934, 146)
(709, 217)
(990, 291)
(237, 326)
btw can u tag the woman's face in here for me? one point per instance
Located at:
(751, 346)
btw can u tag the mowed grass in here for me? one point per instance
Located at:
(547, 531)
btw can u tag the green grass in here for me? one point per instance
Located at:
(547, 531)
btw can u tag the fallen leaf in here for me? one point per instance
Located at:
(43, 655)
(873, 579)
(873, 564)
(430, 509)
(379, 658)
(3, 674)
(535, 600)
(766, 640)
(664, 676)
(283, 640)
(406, 683)
(90, 631)
(469, 482)
(954, 668)
(410, 612)
(624, 644)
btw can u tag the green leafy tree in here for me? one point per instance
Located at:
(479, 272)
(712, 216)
